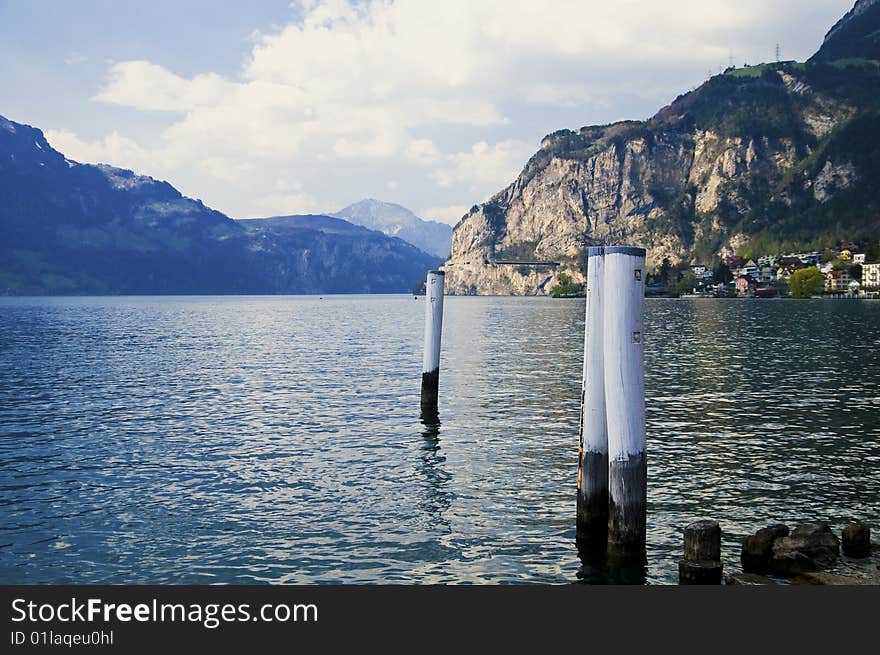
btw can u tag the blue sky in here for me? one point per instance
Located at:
(269, 107)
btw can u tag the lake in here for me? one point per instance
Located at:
(277, 439)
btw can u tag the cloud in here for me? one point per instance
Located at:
(111, 148)
(448, 99)
(485, 167)
(279, 204)
(451, 214)
(147, 86)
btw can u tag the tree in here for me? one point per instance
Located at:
(806, 282)
(687, 283)
(565, 286)
(722, 273)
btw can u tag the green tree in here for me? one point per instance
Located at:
(687, 283)
(806, 282)
(565, 286)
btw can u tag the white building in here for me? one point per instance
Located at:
(871, 277)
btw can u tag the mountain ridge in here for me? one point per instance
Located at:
(72, 228)
(768, 156)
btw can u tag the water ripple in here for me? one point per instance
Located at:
(275, 440)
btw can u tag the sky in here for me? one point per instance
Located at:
(270, 107)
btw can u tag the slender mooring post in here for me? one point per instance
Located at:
(623, 308)
(592, 500)
(433, 325)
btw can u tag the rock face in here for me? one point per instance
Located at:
(757, 549)
(809, 547)
(761, 157)
(748, 579)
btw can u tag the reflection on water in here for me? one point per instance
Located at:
(278, 439)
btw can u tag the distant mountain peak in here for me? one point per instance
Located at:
(398, 221)
(84, 228)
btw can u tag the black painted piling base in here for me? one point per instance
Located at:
(627, 509)
(430, 391)
(856, 540)
(702, 554)
(592, 503)
(707, 572)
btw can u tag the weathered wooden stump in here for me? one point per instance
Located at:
(703, 572)
(702, 554)
(702, 541)
(856, 540)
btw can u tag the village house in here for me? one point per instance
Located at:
(703, 273)
(750, 268)
(871, 276)
(745, 286)
(838, 281)
(810, 258)
(858, 258)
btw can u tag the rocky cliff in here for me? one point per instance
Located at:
(759, 158)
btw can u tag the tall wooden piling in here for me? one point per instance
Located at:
(592, 499)
(623, 335)
(433, 328)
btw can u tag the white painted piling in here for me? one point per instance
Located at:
(433, 329)
(592, 501)
(623, 334)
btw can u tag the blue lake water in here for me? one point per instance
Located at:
(277, 439)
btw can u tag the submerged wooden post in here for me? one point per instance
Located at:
(433, 326)
(592, 500)
(623, 308)
(702, 554)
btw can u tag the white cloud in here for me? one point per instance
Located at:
(451, 214)
(109, 149)
(484, 168)
(143, 85)
(448, 98)
(279, 204)
(422, 151)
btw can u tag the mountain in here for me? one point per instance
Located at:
(757, 160)
(335, 256)
(67, 227)
(855, 36)
(396, 221)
